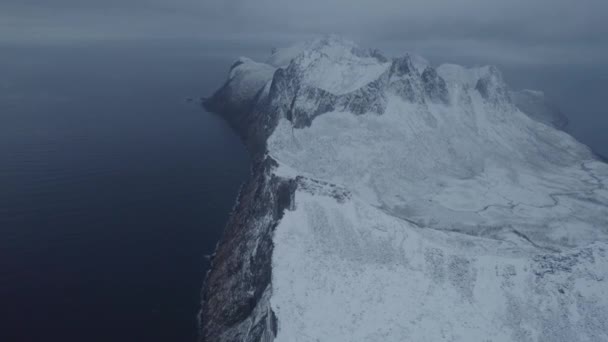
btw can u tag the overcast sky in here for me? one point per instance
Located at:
(514, 31)
(559, 46)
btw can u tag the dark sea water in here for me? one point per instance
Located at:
(113, 187)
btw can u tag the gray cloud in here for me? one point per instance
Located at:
(515, 31)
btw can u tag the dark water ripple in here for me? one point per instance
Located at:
(112, 190)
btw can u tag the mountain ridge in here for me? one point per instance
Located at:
(369, 151)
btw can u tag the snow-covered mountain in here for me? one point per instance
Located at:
(395, 201)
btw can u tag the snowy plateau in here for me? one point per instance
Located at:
(391, 200)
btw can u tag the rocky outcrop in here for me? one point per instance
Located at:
(492, 87)
(235, 295)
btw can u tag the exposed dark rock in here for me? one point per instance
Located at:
(434, 86)
(492, 87)
(253, 120)
(301, 103)
(402, 66)
(555, 263)
(241, 267)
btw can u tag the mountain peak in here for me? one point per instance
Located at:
(491, 85)
(403, 66)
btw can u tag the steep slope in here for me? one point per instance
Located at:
(418, 203)
(534, 103)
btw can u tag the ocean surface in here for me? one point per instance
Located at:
(113, 187)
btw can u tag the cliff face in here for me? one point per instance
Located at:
(235, 296)
(236, 292)
(535, 103)
(391, 200)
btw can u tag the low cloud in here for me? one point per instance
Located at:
(516, 31)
